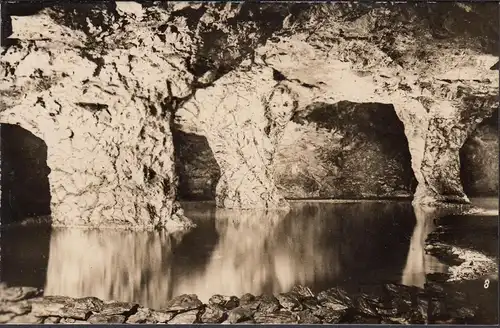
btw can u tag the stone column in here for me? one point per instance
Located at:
(436, 130)
(242, 117)
(111, 156)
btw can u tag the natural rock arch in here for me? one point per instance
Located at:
(479, 159)
(344, 150)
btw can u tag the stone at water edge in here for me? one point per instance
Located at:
(6, 317)
(328, 315)
(290, 301)
(183, 302)
(106, 319)
(247, 299)
(117, 308)
(335, 299)
(227, 302)
(268, 303)
(303, 291)
(146, 315)
(281, 317)
(18, 308)
(66, 307)
(239, 314)
(213, 314)
(50, 320)
(18, 293)
(26, 319)
(307, 317)
(188, 317)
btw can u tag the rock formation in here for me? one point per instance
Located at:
(103, 85)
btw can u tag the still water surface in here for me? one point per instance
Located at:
(317, 244)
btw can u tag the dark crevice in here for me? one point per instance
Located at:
(24, 175)
(92, 107)
(278, 76)
(149, 174)
(368, 157)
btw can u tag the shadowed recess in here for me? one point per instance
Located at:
(196, 166)
(24, 183)
(345, 150)
(479, 159)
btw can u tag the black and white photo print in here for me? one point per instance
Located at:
(249, 162)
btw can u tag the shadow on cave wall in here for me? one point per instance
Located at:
(479, 159)
(24, 182)
(345, 150)
(196, 166)
(25, 192)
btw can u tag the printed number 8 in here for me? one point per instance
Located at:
(487, 283)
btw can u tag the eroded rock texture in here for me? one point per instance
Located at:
(104, 115)
(242, 118)
(101, 85)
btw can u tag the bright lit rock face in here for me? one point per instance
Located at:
(102, 86)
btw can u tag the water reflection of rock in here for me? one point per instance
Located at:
(111, 265)
(233, 252)
(419, 263)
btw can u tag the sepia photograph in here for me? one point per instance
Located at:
(174, 162)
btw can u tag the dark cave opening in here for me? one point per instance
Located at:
(196, 167)
(25, 190)
(479, 160)
(345, 150)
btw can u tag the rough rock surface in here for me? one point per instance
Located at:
(436, 303)
(102, 84)
(104, 117)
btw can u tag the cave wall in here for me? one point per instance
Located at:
(479, 159)
(344, 150)
(102, 83)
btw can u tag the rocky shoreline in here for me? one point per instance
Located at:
(394, 304)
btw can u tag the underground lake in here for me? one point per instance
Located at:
(318, 244)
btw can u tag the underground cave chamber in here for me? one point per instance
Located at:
(327, 151)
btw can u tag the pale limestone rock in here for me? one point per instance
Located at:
(242, 116)
(103, 96)
(106, 123)
(435, 129)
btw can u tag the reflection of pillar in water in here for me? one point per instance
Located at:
(111, 265)
(418, 263)
(243, 259)
(264, 252)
